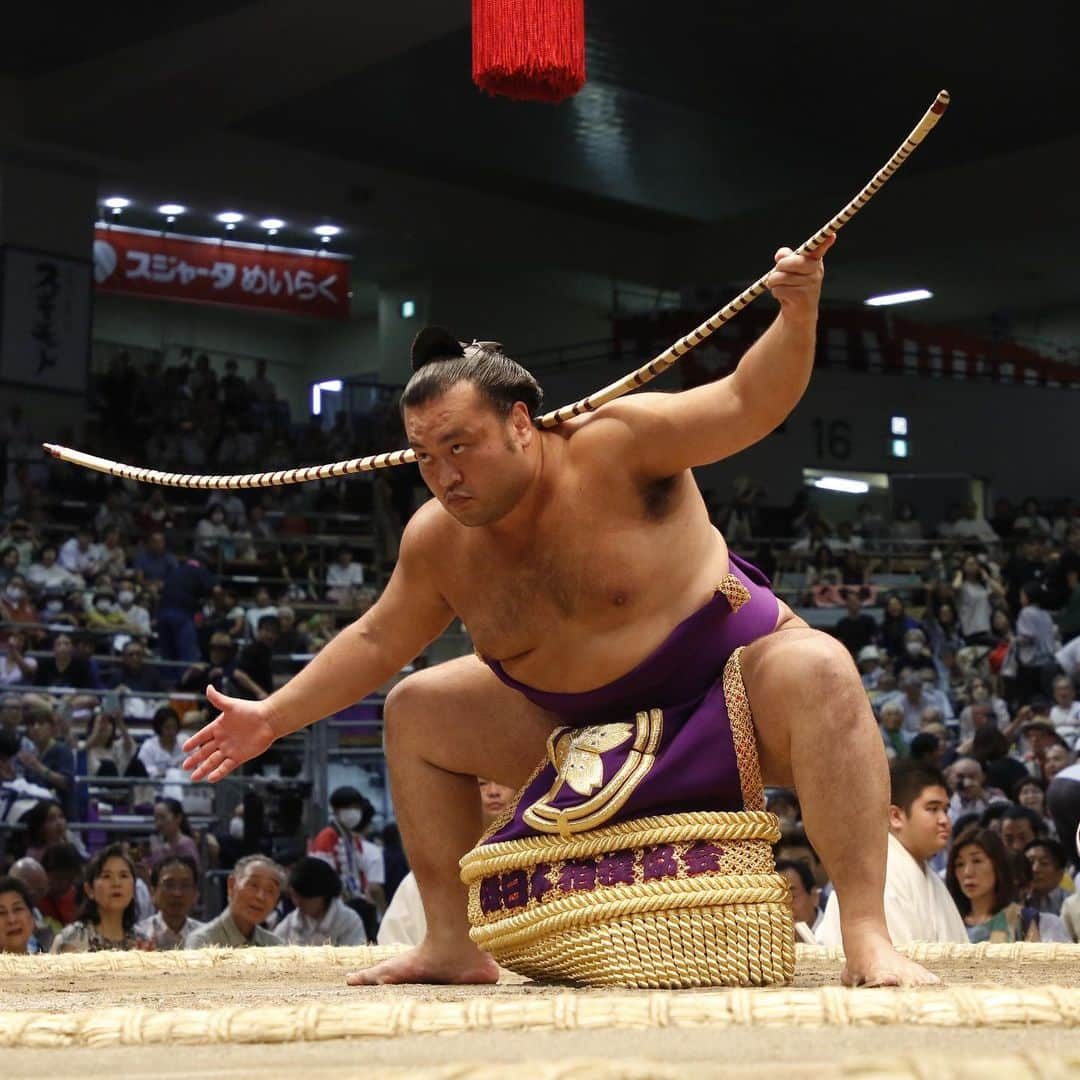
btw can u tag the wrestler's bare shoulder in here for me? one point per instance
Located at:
(613, 429)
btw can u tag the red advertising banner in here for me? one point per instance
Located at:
(212, 272)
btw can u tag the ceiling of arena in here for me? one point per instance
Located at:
(708, 134)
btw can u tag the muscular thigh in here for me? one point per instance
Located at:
(460, 717)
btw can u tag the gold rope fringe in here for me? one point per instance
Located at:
(949, 1007)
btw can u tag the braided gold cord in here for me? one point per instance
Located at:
(641, 832)
(830, 1007)
(635, 379)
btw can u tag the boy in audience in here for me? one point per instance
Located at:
(918, 906)
(174, 888)
(254, 889)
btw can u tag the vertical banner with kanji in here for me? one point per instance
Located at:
(219, 272)
(45, 320)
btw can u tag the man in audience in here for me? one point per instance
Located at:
(915, 697)
(174, 885)
(857, 628)
(1019, 827)
(51, 763)
(183, 590)
(871, 669)
(343, 577)
(804, 898)
(80, 555)
(154, 562)
(1065, 714)
(253, 675)
(16, 918)
(970, 794)
(255, 886)
(291, 639)
(918, 906)
(36, 882)
(1047, 861)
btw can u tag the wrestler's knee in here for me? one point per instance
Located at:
(407, 707)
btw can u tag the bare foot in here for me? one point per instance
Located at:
(871, 960)
(426, 964)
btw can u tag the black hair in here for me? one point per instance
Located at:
(439, 361)
(173, 860)
(176, 808)
(994, 812)
(800, 868)
(1033, 590)
(89, 912)
(1056, 850)
(909, 778)
(312, 877)
(1004, 878)
(61, 857)
(796, 838)
(34, 819)
(964, 821)
(166, 712)
(1023, 782)
(13, 884)
(1013, 812)
(9, 743)
(924, 744)
(989, 744)
(268, 621)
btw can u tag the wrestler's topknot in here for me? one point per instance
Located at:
(439, 361)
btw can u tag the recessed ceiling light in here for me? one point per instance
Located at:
(117, 202)
(171, 209)
(230, 217)
(899, 298)
(326, 231)
(272, 223)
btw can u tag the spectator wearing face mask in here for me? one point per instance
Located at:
(15, 665)
(15, 605)
(358, 862)
(102, 613)
(136, 617)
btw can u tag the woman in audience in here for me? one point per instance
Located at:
(975, 587)
(982, 882)
(107, 917)
(45, 826)
(109, 746)
(320, 917)
(15, 665)
(979, 698)
(172, 833)
(943, 629)
(1031, 793)
(64, 668)
(896, 623)
(16, 918)
(162, 751)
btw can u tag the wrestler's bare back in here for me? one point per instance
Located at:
(611, 564)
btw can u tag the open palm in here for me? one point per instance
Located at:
(240, 732)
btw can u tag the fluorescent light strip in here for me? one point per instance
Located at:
(839, 483)
(898, 298)
(332, 386)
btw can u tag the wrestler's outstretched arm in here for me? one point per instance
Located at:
(663, 434)
(407, 617)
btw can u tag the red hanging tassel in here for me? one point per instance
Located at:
(529, 49)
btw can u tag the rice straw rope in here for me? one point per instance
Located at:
(635, 379)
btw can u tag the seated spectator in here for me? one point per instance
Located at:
(136, 615)
(154, 561)
(253, 675)
(114, 555)
(892, 729)
(172, 833)
(395, 862)
(1017, 827)
(973, 526)
(978, 695)
(63, 865)
(162, 751)
(343, 578)
(784, 803)
(870, 667)
(155, 516)
(212, 534)
(109, 747)
(254, 889)
(262, 606)
(404, 922)
(943, 629)
(858, 628)
(1070, 916)
(48, 575)
(16, 918)
(107, 917)
(918, 907)
(65, 668)
(295, 566)
(1047, 861)
(319, 918)
(221, 614)
(895, 624)
(215, 673)
(15, 665)
(915, 697)
(1030, 793)
(917, 655)
(49, 762)
(1065, 714)
(906, 526)
(174, 888)
(358, 862)
(291, 639)
(1030, 520)
(804, 898)
(991, 750)
(9, 563)
(1063, 802)
(80, 555)
(970, 793)
(135, 677)
(15, 605)
(31, 875)
(983, 884)
(46, 826)
(18, 796)
(929, 748)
